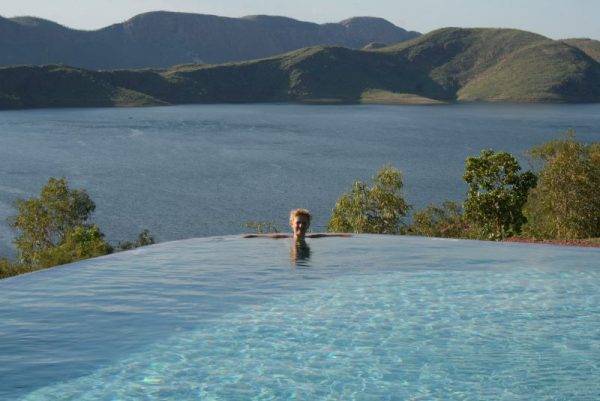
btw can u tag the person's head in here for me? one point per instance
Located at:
(299, 221)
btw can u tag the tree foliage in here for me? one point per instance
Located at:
(9, 268)
(144, 238)
(80, 242)
(497, 193)
(262, 227)
(54, 228)
(566, 202)
(375, 209)
(445, 221)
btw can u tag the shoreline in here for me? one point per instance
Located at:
(586, 243)
(414, 102)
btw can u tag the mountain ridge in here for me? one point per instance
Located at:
(446, 65)
(160, 39)
(589, 46)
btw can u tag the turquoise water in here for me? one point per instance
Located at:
(204, 170)
(364, 318)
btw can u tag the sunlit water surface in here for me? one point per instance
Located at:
(363, 318)
(200, 170)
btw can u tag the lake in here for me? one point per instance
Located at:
(204, 170)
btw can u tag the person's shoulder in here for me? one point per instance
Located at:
(273, 236)
(323, 235)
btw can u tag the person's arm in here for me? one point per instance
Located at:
(274, 236)
(321, 235)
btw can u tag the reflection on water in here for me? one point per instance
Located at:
(300, 253)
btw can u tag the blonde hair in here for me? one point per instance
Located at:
(299, 212)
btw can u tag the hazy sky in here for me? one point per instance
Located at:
(554, 18)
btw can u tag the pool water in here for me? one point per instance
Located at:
(361, 318)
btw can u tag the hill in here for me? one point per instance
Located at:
(162, 39)
(502, 65)
(589, 46)
(446, 65)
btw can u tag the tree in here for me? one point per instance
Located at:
(144, 238)
(497, 193)
(566, 202)
(9, 268)
(375, 209)
(81, 242)
(56, 223)
(262, 227)
(445, 221)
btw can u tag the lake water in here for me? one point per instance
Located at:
(202, 170)
(362, 318)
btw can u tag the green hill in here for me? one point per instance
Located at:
(547, 71)
(446, 65)
(453, 56)
(57, 86)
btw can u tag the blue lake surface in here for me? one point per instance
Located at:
(361, 318)
(201, 170)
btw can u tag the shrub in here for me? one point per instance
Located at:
(375, 209)
(54, 226)
(8, 268)
(82, 242)
(54, 229)
(262, 227)
(446, 221)
(144, 238)
(566, 202)
(497, 193)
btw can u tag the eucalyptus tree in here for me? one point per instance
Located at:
(378, 208)
(496, 195)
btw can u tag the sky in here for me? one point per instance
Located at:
(553, 18)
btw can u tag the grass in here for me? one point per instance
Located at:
(376, 96)
(547, 71)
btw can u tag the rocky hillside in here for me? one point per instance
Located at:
(164, 39)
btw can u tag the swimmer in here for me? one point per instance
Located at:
(299, 222)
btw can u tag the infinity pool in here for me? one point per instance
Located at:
(362, 318)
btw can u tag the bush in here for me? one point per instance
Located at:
(377, 209)
(8, 268)
(497, 193)
(262, 227)
(144, 239)
(566, 202)
(54, 228)
(445, 221)
(82, 242)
